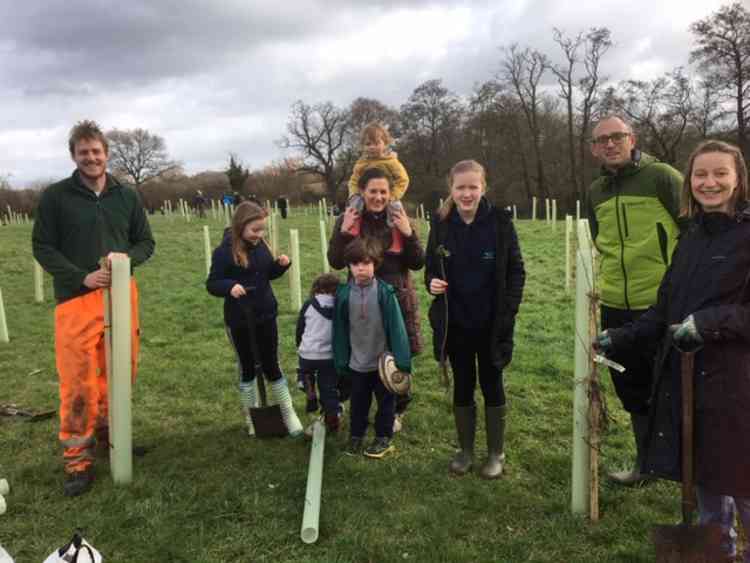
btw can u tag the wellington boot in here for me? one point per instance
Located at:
(495, 425)
(633, 477)
(280, 392)
(466, 425)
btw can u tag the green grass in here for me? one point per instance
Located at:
(207, 493)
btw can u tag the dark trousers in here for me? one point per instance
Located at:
(634, 386)
(324, 373)
(267, 338)
(363, 387)
(467, 350)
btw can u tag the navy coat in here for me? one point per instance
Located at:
(709, 278)
(224, 274)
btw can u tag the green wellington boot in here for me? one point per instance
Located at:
(466, 426)
(495, 425)
(633, 477)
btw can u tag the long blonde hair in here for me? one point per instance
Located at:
(246, 212)
(689, 206)
(460, 168)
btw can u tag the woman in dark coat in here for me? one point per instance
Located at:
(705, 297)
(376, 186)
(473, 259)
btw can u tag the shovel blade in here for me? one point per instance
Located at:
(268, 422)
(688, 544)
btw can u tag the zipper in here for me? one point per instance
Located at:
(622, 245)
(662, 234)
(625, 220)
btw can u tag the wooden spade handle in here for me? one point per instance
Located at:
(688, 496)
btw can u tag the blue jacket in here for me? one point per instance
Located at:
(261, 270)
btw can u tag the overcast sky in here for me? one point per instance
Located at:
(214, 77)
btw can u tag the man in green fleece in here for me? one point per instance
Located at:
(79, 221)
(632, 210)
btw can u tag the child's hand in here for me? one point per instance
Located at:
(401, 221)
(438, 286)
(237, 291)
(350, 217)
(283, 260)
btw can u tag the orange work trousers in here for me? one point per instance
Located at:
(82, 372)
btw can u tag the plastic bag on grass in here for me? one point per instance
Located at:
(78, 550)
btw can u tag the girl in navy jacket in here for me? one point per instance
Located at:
(242, 268)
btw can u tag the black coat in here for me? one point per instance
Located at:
(224, 274)
(708, 278)
(509, 281)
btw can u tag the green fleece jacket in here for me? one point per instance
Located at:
(397, 341)
(633, 219)
(74, 228)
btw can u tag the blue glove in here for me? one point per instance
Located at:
(603, 343)
(686, 336)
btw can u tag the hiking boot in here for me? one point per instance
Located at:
(78, 483)
(379, 448)
(333, 422)
(356, 446)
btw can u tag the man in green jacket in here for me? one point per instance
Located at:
(79, 221)
(632, 210)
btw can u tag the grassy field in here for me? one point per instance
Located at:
(208, 493)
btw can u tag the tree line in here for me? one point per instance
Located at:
(529, 124)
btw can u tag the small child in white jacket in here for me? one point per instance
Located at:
(315, 349)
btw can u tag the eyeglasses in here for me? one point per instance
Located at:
(616, 138)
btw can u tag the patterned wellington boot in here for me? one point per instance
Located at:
(280, 393)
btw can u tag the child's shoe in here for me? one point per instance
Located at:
(355, 447)
(397, 239)
(379, 448)
(333, 422)
(357, 202)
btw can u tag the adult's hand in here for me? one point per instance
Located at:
(237, 291)
(438, 286)
(351, 215)
(401, 220)
(602, 343)
(98, 278)
(283, 260)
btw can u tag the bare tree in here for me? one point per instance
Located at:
(724, 53)
(523, 70)
(598, 41)
(660, 109)
(319, 133)
(708, 112)
(139, 156)
(431, 118)
(565, 78)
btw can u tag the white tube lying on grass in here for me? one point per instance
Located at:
(311, 515)
(3, 324)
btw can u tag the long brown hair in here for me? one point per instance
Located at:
(689, 206)
(246, 212)
(460, 168)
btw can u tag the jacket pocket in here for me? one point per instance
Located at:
(663, 242)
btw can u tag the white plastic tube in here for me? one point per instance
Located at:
(311, 515)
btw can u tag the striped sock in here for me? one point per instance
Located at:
(249, 399)
(280, 392)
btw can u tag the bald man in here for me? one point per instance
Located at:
(632, 209)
